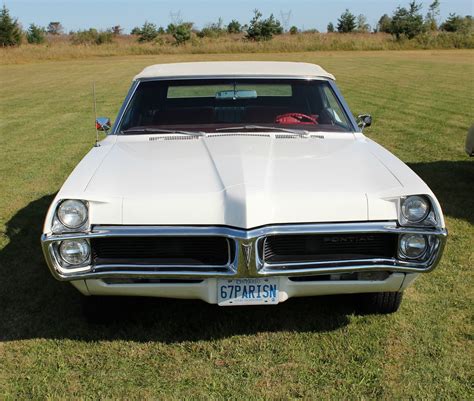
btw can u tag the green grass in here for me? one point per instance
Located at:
(311, 348)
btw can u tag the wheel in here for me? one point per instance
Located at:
(380, 302)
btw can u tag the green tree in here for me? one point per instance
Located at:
(330, 27)
(234, 26)
(10, 32)
(182, 33)
(293, 30)
(456, 23)
(384, 24)
(116, 30)
(362, 25)
(35, 34)
(213, 30)
(432, 16)
(55, 28)
(468, 25)
(147, 33)
(91, 37)
(263, 29)
(346, 22)
(407, 22)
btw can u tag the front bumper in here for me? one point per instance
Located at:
(246, 261)
(206, 290)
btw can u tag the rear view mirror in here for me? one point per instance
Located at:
(365, 120)
(102, 124)
(236, 94)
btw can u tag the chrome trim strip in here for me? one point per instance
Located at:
(234, 76)
(128, 98)
(244, 265)
(225, 231)
(345, 106)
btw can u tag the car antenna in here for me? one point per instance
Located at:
(95, 115)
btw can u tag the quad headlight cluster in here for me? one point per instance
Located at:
(72, 215)
(416, 211)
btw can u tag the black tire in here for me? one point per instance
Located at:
(380, 302)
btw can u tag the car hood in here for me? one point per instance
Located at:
(238, 180)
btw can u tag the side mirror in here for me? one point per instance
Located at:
(365, 120)
(102, 124)
(470, 141)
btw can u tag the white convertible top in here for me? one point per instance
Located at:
(238, 68)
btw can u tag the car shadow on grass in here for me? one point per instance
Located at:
(34, 305)
(453, 184)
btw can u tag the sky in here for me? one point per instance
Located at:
(306, 14)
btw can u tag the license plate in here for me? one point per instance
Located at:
(247, 291)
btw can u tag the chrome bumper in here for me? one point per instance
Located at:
(246, 262)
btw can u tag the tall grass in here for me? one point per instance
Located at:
(61, 48)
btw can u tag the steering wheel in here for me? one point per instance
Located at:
(297, 118)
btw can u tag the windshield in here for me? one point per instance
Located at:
(214, 105)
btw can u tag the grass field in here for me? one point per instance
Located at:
(422, 104)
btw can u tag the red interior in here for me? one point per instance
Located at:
(297, 118)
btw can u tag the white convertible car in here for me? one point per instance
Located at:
(242, 183)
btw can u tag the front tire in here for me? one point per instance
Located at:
(380, 302)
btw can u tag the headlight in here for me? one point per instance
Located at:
(72, 213)
(413, 246)
(75, 251)
(415, 209)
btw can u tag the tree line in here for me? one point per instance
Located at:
(405, 22)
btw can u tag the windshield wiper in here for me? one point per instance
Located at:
(296, 132)
(161, 131)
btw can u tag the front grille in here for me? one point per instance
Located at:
(328, 247)
(175, 251)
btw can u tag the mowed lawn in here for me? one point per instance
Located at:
(422, 105)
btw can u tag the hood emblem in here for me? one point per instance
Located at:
(247, 251)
